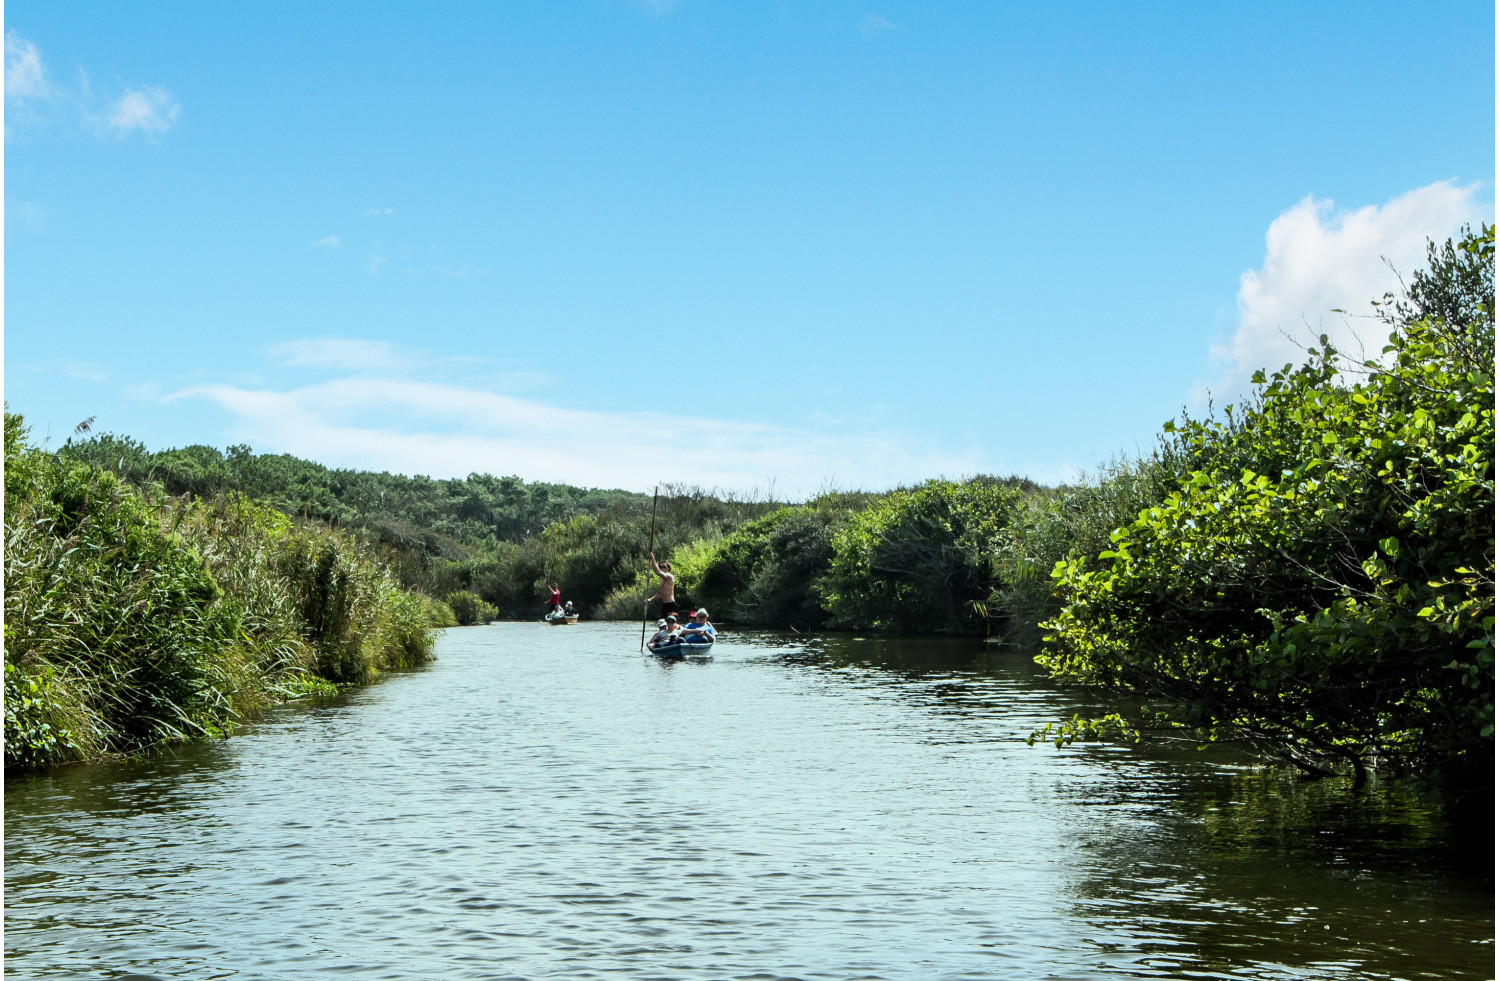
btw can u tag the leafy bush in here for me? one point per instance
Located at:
(919, 560)
(469, 609)
(1321, 581)
(132, 619)
(114, 632)
(768, 572)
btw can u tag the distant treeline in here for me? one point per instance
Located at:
(1309, 573)
(478, 510)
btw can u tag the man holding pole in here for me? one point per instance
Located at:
(666, 592)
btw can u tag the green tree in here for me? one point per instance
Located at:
(919, 560)
(1320, 583)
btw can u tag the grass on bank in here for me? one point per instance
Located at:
(133, 619)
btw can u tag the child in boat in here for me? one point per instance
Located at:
(699, 631)
(666, 633)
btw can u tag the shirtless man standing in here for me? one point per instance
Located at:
(666, 592)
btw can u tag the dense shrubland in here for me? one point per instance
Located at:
(1310, 572)
(133, 618)
(1319, 582)
(412, 513)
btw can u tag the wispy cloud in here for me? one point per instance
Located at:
(32, 215)
(875, 24)
(25, 78)
(86, 370)
(376, 262)
(31, 98)
(445, 430)
(91, 371)
(343, 354)
(1319, 259)
(142, 392)
(328, 242)
(150, 109)
(378, 212)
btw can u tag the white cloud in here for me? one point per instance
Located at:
(149, 108)
(448, 431)
(86, 370)
(342, 354)
(25, 78)
(32, 215)
(376, 261)
(142, 392)
(1319, 259)
(379, 212)
(329, 242)
(875, 24)
(142, 108)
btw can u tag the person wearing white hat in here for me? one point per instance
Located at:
(699, 630)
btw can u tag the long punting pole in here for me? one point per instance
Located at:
(647, 605)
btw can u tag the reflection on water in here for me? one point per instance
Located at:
(545, 806)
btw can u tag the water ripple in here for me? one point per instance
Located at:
(547, 804)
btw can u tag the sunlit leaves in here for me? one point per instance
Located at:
(1311, 585)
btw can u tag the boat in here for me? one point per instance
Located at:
(561, 619)
(681, 649)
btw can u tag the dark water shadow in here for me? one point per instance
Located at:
(1210, 864)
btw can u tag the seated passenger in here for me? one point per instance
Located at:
(666, 633)
(699, 631)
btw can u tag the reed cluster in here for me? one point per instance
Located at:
(133, 617)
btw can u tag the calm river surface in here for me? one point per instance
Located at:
(546, 803)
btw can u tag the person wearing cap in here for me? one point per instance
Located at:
(666, 633)
(699, 630)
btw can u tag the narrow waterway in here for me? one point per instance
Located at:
(543, 802)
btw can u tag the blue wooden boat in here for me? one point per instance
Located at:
(681, 649)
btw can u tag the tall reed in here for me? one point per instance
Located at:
(134, 618)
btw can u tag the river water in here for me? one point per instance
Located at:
(546, 803)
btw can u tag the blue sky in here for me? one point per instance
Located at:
(741, 245)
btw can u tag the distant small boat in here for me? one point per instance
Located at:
(561, 620)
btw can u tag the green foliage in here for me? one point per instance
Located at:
(357, 619)
(45, 720)
(106, 605)
(1320, 582)
(434, 613)
(412, 512)
(1056, 524)
(920, 559)
(768, 572)
(469, 609)
(134, 619)
(23, 466)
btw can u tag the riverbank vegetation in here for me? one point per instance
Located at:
(1319, 580)
(134, 617)
(1309, 573)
